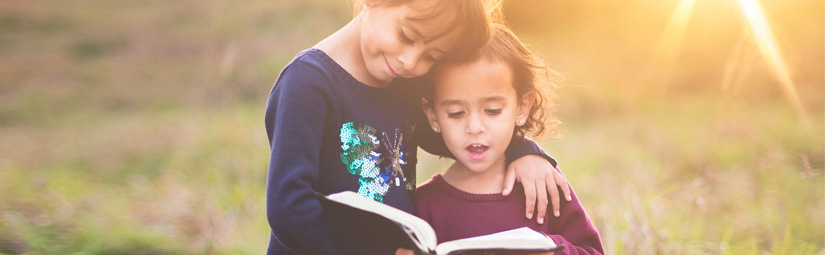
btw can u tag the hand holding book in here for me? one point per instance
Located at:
(348, 206)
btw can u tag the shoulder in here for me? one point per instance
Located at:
(310, 67)
(426, 198)
(304, 88)
(432, 193)
(310, 78)
(428, 188)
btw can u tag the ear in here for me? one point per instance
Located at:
(524, 107)
(432, 119)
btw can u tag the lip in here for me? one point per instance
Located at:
(477, 154)
(394, 74)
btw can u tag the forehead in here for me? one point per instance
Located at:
(432, 20)
(475, 80)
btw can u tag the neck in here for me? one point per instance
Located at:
(344, 46)
(489, 181)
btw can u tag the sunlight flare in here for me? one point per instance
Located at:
(674, 35)
(764, 38)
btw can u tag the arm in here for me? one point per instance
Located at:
(575, 231)
(295, 119)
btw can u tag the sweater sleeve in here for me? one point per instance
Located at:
(523, 146)
(574, 230)
(295, 117)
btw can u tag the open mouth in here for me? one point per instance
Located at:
(477, 151)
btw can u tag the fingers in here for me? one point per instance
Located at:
(562, 182)
(530, 194)
(509, 181)
(541, 186)
(554, 194)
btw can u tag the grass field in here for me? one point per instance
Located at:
(136, 127)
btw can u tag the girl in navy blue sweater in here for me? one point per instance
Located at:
(342, 116)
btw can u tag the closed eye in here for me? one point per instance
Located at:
(493, 111)
(455, 115)
(404, 36)
(430, 57)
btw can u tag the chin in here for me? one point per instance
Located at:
(380, 77)
(478, 168)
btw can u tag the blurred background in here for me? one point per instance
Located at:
(136, 127)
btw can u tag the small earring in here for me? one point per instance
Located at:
(435, 129)
(521, 122)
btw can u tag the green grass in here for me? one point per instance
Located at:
(137, 128)
(191, 181)
(177, 182)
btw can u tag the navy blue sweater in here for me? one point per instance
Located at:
(328, 133)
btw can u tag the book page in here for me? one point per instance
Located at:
(420, 229)
(516, 239)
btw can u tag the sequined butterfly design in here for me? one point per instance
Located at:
(377, 158)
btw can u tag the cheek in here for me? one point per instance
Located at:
(372, 40)
(423, 68)
(451, 132)
(453, 139)
(501, 123)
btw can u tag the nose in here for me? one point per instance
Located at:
(475, 125)
(409, 59)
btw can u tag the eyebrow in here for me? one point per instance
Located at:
(450, 102)
(484, 100)
(493, 99)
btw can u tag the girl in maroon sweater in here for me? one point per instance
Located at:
(480, 107)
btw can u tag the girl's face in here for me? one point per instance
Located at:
(393, 45)
(475, 108)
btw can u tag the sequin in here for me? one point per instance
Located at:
(377, 159)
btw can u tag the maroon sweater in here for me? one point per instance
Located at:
(456, 214)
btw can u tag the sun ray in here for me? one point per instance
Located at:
(739, 63)
(674, 34)
(662, 61)
(764, 38)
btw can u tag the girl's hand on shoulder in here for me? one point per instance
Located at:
(537, 175)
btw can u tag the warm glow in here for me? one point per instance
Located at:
(672, 38)
(767, 46)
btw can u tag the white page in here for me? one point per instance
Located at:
(524, 237)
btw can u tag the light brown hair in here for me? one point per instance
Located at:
(472, 19)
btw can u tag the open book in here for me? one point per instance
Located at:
(421, 236)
